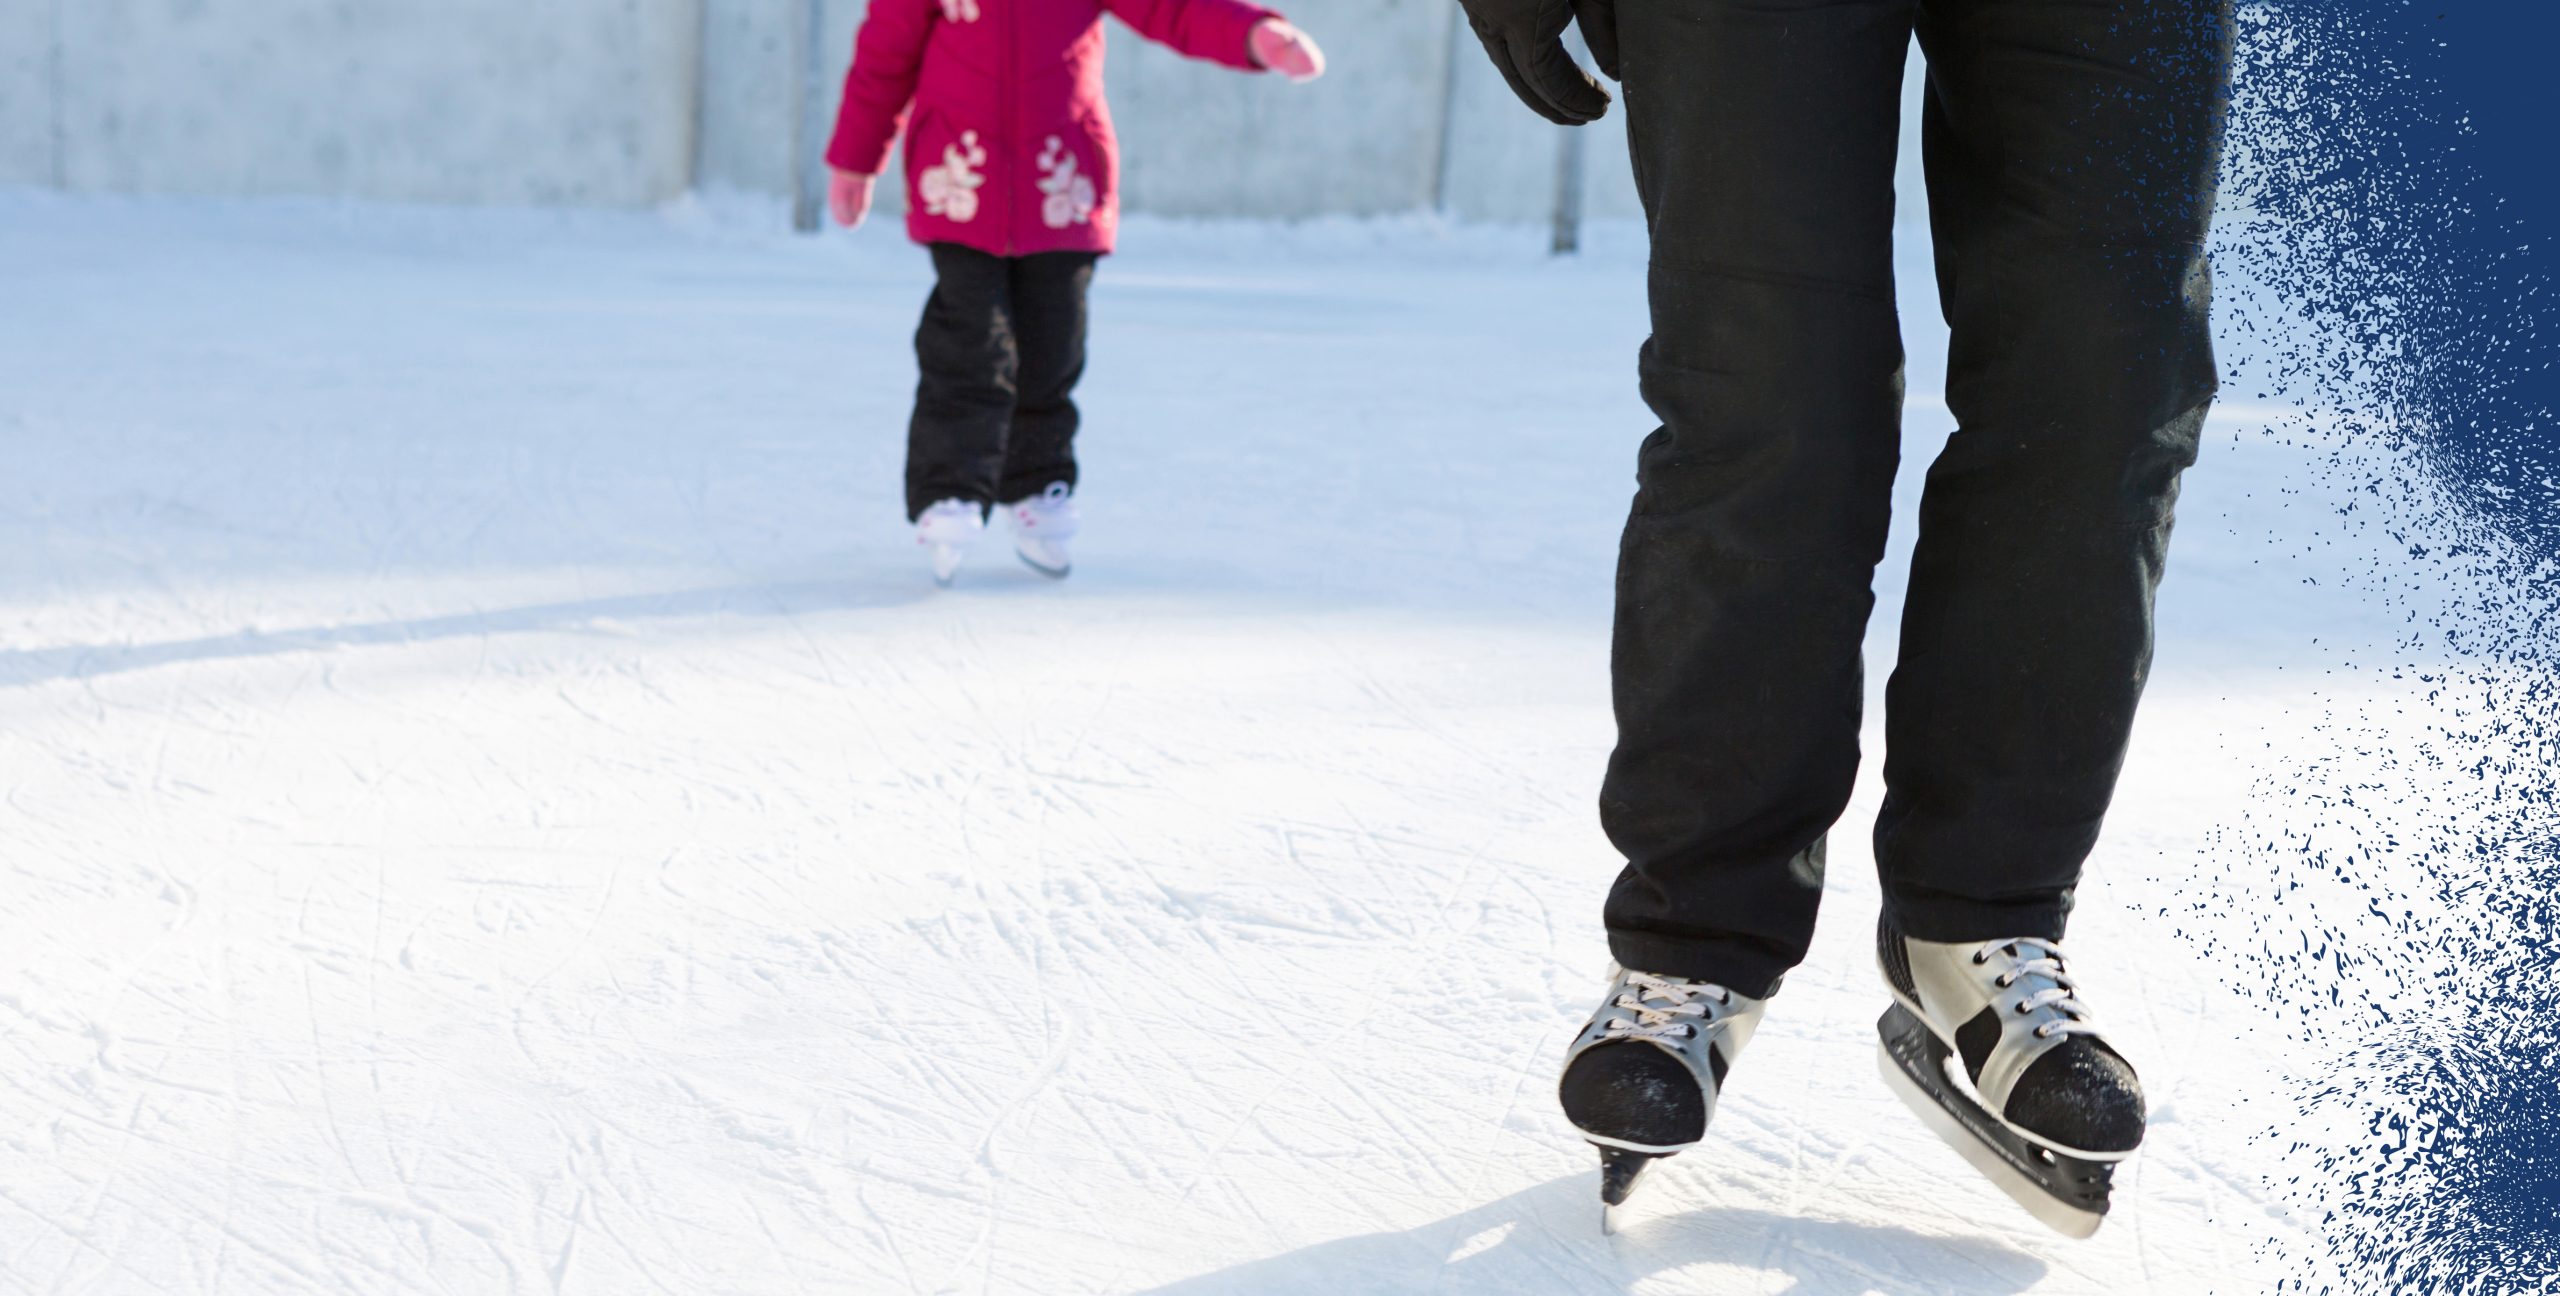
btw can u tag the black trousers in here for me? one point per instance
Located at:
(999, 353)
(2071, 148)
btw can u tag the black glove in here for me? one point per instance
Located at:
(1523, 38)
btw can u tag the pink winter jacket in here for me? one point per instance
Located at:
(1011, 151)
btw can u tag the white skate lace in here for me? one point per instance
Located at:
(2046, 962)
(1664, 1007)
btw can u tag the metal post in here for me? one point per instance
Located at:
(809, 131)
(59, 144)
(1454, 49)
(695, 155)
(1566, 236)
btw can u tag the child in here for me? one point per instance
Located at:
(1011, 167)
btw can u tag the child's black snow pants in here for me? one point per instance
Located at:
(2071, 147)
(999, 351)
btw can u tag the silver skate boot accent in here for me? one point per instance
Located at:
(1641, 1079)
(1989, 1043)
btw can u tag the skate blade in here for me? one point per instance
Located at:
(1978, 1146)
(1054, 573)
(946, 564)
(1619, 1171)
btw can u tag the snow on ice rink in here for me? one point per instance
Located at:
(494, 804)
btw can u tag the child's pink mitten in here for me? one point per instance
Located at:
(1286, 50)
(849, 197)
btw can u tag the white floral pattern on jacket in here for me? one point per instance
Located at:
(1070, 197)
(960, 11)
(951, 189)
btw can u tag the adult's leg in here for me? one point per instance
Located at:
(1763, 133)
(966, 360)
(2071, 151)
(1049, 291)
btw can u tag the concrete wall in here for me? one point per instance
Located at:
(749, 48)
(629, 102)
(1203, 140)
(768, 96)
(510, 101)
(26, 91)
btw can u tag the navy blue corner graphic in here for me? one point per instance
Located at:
(2395, 170)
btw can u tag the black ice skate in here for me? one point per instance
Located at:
(1640, 1081)
(1989, 1044)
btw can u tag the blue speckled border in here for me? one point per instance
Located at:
(2395, 184)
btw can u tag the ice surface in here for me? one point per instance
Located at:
(493, 801)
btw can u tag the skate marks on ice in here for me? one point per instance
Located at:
(613, 616)
(1544, 1240)
(608, 867)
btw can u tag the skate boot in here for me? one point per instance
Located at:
(1042, 526)
(1640, 1081)
(1988, 1042)
(947, 530)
